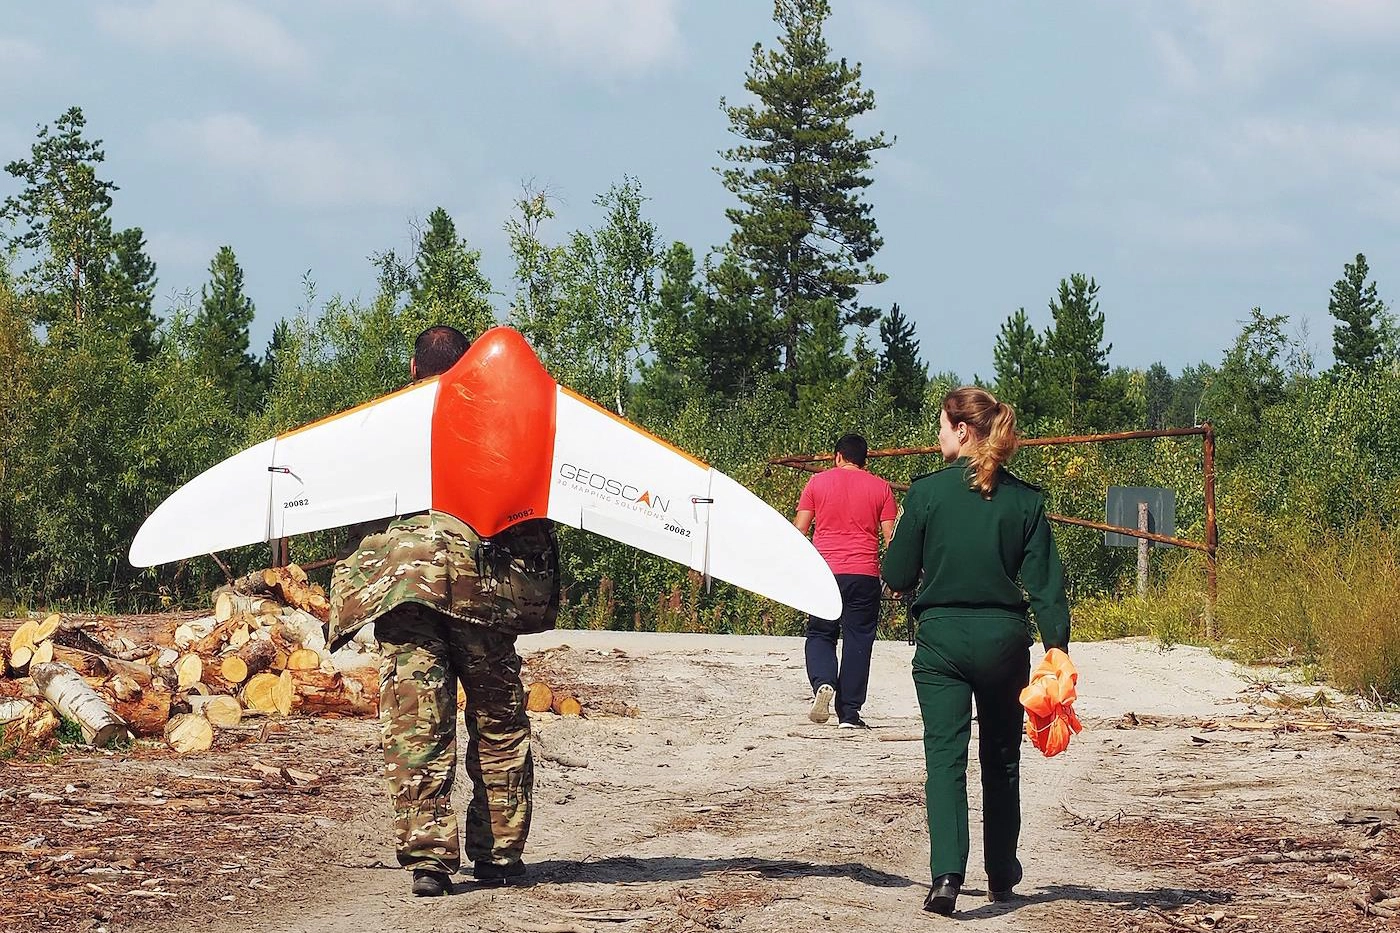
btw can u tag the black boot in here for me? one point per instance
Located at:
(490, 873)
(943, 896)
(428, 883)
(1002, 891)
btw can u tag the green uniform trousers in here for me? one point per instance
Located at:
(426, 654)
(963, 654)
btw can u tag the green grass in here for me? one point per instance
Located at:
(1327, 606)
(1333, 602)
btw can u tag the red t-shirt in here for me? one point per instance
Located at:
(849, 506)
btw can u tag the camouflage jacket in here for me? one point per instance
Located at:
(509, 583)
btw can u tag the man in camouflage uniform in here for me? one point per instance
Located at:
(447, 607)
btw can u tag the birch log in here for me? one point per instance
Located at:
(76, 701)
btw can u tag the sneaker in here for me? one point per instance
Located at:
(429, 883)
(491, 873)
(855, 723)
(821, 703)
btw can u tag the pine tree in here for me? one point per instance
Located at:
(220, 333)
(904, 375)
(1022, 370)
(61, 216)
(803, 230)
(1356, 341)
(1078, 358)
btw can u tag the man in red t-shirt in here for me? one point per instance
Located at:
(849, 505)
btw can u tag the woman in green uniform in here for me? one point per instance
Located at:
(973, 530)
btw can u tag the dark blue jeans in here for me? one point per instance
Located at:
(860, 617)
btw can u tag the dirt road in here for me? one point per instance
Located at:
(1197, 798)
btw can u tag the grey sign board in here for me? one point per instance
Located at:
(1123, 511)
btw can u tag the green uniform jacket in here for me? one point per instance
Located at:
(972, 550)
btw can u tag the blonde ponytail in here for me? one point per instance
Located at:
(994, 440)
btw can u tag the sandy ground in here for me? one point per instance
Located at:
(695, 795)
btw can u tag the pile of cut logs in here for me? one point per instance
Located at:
(541, 698)
(261, 652)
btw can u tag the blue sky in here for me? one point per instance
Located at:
(1197, 158)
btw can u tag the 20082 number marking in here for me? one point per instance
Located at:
(678, 530)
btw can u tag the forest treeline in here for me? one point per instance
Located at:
(758, 346)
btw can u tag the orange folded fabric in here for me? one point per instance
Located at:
(1049, 702)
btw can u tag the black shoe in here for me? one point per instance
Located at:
(491, 873)
(943, 895)
(855, 722)
(429, 883)
(999, 892)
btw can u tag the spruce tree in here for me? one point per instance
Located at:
(446, 285)
(674, 370)
(128, 294)
(220, 333)
(1158, 389)
(272, 356)
(900, 369)
(1022, 370)
(803, 230)
(1077, 355)
(709, 336)
(736, 346)
(1356, 341)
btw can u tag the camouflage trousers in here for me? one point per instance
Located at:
(426, 654)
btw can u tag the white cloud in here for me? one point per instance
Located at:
(1181, 70)
(312, 168)
(910, 174)
(1245, 43)
(1323, 147)
(15, 143)
(898, 34)
(1219, 231)
(227, 29)
(615, 37)
(18, 57)
(182, 250)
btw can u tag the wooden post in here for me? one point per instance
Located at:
(281, 552)
(1142, 546)
(1212, 541)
